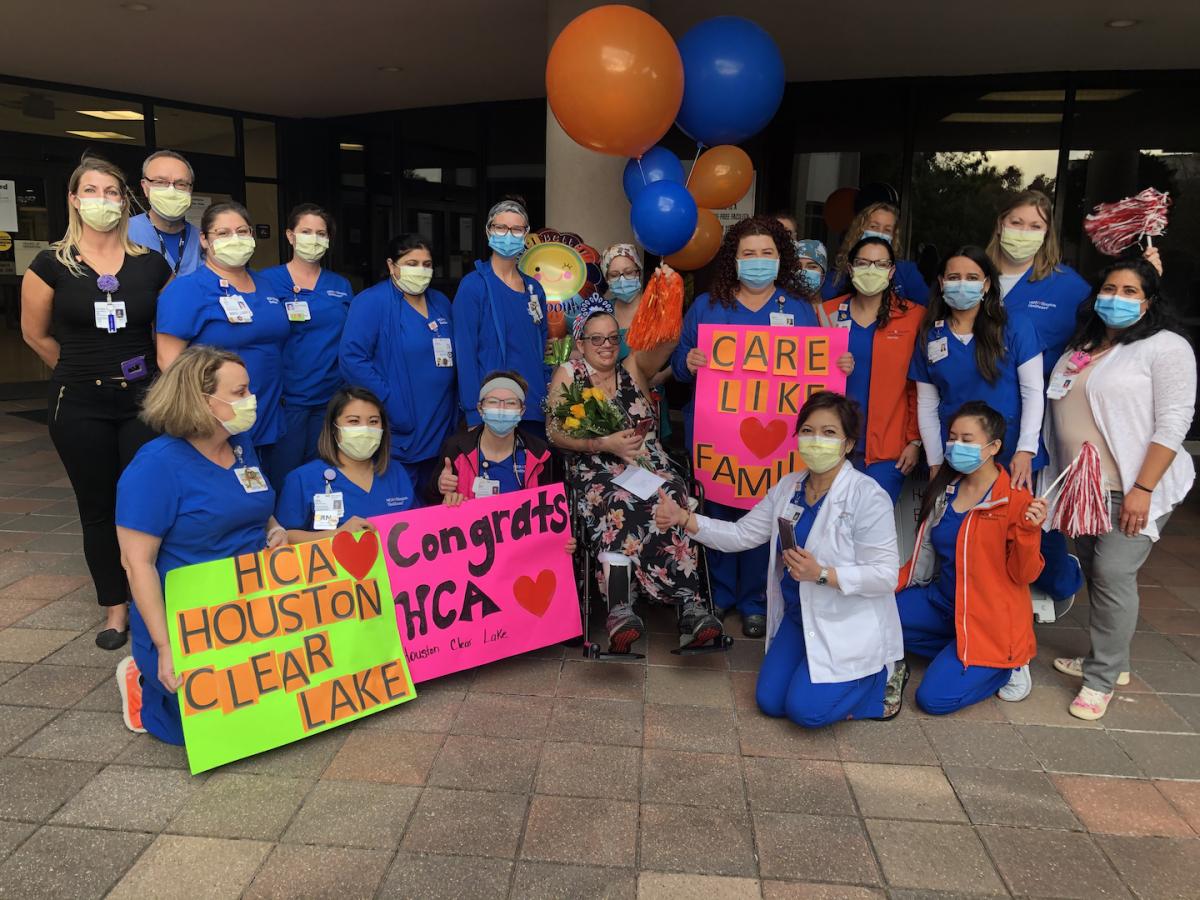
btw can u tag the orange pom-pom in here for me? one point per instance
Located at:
(659, 318)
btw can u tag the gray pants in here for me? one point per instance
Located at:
(1111, 563)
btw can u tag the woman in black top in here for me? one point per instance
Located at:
(87, 309)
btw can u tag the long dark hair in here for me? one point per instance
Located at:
(990, 320)
(1090, 329)
(993, 426)
(406, 243)
(725, 280)
(891, 300)
(327, 446)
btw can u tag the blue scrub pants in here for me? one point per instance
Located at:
(739, 580)
(885, 474)
(1062, 577)
(785, 687)
(266, 462)
(298, 445)
(927, 619)
(421, 473)
(160, 708)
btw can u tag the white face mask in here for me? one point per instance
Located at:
(311, 247)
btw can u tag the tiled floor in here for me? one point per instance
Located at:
(552, 776)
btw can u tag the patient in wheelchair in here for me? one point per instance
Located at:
(636, 558)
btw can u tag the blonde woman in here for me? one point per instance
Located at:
(167, 503)
(880, 220)
(87, 309)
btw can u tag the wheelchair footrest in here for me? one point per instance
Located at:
(594, 651)
(719, 645)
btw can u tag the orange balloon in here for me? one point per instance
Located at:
(614, 80)
(839, 208)
(703, 246)
(721, 177)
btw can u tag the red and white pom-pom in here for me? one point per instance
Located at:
(1113, 227)
(1082, 506)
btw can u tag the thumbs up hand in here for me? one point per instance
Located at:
(447, 480)
(668, 513)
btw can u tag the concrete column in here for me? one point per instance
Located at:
(583, 188)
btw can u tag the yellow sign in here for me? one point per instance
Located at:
(559, 269)
(5, 241)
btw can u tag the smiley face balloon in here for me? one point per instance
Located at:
(559, 269)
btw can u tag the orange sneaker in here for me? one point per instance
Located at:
(129, 683)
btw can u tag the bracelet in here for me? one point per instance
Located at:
(1142, 487)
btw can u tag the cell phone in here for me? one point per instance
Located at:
(643, 427)
(787, 534)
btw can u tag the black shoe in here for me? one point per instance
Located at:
(754, 626)
(625, 627)
(111, 639)
(697, 626)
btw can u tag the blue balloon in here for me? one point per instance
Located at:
(663, 217)
(733, 80)
(656, 164)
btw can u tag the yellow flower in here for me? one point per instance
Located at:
(593, 394)
(571, 422)
(577, 411)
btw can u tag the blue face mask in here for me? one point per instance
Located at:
(810, 281)
(962, 294)
(1118, 312)
(500, 421)
(963, 457)
(757, 271)
(626, 287)
(877, 234)
(507, 245)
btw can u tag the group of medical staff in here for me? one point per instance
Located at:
(203, 409)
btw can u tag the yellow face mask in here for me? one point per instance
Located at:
(170, 203)
(1021, 245)
(311, 247)
(233, 251)
(99, 213)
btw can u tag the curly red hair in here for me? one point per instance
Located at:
(725, 281)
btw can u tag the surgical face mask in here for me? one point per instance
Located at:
(359, 441)
(626, 287)
(500, 421)
(169, 203)
(877, 234)
(962, 294)
(820, 454)
(757, 271)
(99, 213)
(1021, 245)
(245, 413)
(233, 251)
(507, 245)
(963, 457)
(810, 281)
(869, 281)
(311, 247)
(412, 279)
(1118, 312)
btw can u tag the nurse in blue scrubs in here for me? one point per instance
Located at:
(398, 344)
(224, 304)
(500, 318)
(881, 220)
(193, 495)
(353, 479)
(167, 182)
(317, 303)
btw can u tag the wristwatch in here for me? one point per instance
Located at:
(823, 576)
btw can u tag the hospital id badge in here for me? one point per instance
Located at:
(792, 513)
(535, 309)
(443, 353)
(110, 315)
(937, 350)
(327, 511)
(1060, 385)
(485, 487)
(783, 319)
(297, 310)
(251, 479)
(237, 310)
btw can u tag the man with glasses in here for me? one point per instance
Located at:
(167, 181)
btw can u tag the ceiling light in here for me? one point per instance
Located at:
(1121, 23)
(102, 135)
(350, 146)
(999, 118)
(112, 115)
(137, 7)
(390, 69)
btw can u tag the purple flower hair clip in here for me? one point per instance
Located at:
(108, 284)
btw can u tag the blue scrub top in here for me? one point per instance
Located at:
(789, 585)
(858, 383)
(945, 545)
(142, 231)
(390, 492)
(387, 346)
(909, 283)
(189, 308)
(505, 471)
(1051, 306)
(957, 377)
(199, 509)
(310, 356)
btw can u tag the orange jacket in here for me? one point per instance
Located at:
(998, 556)
(892, 410)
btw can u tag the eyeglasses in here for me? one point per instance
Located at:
(514, 230)
(599, 340)
(225, 232)
(884, 264)
(181, 185)
(628, 273)
(495, 403)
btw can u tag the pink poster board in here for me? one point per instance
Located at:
(482, 581)
(747, 398)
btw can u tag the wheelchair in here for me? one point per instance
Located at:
(621, 584)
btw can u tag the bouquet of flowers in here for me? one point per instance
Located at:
(559, 350)
(586, 412)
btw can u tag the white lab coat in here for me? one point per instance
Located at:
(851, 631)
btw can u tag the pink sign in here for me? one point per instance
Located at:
(747, 399)
(482, 581)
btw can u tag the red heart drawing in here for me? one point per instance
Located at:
(356, 556)
(535, 596)
(761, 440)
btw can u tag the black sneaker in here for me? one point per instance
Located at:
(893, 693)
(754, 626)
(697, 626)
(624, 628)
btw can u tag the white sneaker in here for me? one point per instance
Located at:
(1073, 665)
(1089, 704)
(1020, 683)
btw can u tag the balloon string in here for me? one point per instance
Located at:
(643, 171)
(687, 181)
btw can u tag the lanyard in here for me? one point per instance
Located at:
(518, 460)
(182, 243)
